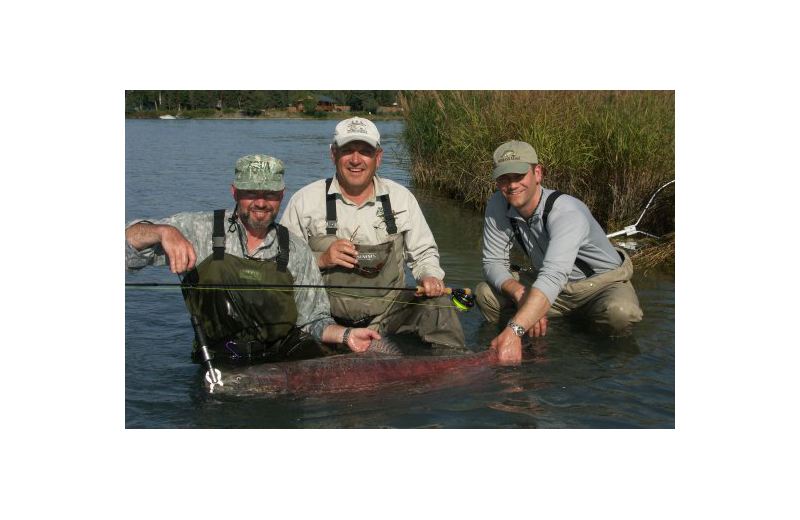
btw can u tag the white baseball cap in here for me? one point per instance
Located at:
(357, 129)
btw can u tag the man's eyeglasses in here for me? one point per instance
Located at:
(260, 194)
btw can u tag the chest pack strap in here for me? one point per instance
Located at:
(548, 205)
(330, 209)
(517, 235)
(218, 236)
(388, 214)
(283, 244)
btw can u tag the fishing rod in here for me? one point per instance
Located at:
(462, 298)
(631, 230)
(198, 285)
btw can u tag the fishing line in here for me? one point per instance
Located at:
(226, 288)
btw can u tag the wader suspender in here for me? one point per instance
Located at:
(283, 245)
(218, 240)
(388, 214)
(218, 237)
(579, 262)
(330, 211)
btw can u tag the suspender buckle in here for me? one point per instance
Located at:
(218, 242)
(332, 224)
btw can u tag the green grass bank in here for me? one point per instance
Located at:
(610, 149)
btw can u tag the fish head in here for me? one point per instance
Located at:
(261, 379)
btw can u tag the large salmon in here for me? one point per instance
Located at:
(347, 373)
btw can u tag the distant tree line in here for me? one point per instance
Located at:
(251, 101)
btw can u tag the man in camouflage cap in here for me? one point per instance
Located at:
(254, 174)
(245, 246)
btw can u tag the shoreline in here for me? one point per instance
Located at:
(278, 116)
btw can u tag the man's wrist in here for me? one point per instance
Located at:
(346, 336)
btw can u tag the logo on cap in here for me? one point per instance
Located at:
(259, 166)
(509, 155)
(356, 127)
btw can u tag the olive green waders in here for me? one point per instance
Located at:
(248, 324)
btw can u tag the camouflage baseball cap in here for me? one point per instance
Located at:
(259, 172)
(513, 157)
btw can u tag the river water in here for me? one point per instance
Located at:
(568, 379)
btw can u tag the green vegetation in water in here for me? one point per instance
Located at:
(612, 150)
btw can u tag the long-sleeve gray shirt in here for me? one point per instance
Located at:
(573, 232)
(313, 307)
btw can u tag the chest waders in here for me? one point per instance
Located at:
(242, 324)
(378, 265)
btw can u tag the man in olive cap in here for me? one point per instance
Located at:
(244, 246)
(577, 271)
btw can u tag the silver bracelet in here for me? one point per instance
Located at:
(346, 336)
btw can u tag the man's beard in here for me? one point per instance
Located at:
(253, 224)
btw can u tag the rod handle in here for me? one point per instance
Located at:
(447, 290)
(202, 342)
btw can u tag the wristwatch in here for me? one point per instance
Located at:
(518, 330)
(346, 336)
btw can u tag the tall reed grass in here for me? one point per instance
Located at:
(610, 149)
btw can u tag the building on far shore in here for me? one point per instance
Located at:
(324, 104)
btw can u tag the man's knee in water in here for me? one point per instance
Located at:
(618, 316)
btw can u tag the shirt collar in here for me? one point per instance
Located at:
(380, 187)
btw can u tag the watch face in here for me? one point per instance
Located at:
(518, 330)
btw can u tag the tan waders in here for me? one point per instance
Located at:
(387, 311)
(608, 300)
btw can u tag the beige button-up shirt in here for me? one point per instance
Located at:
(305, 216)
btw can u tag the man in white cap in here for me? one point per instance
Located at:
(362, 230)
(577, 271)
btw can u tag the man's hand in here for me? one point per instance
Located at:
(360, 339)
(342, 252)
(508, 346)
(180, 251)
(431, 287)
(515, 290)
(539, 328)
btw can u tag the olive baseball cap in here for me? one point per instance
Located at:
(357, 129)
(259, 172)
(513, 157)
